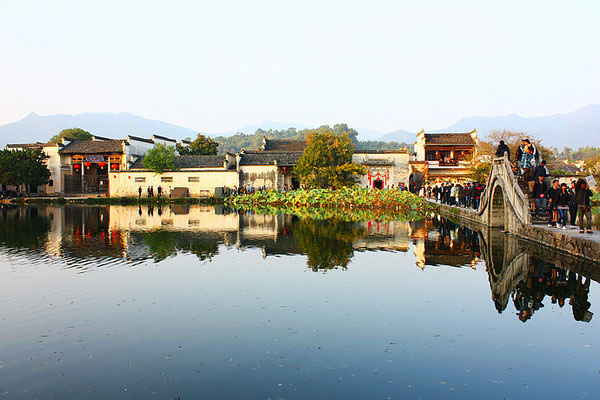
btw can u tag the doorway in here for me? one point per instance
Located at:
(378, 184)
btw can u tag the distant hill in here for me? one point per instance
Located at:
(574, 129)
(399, 136)
(265, 126)
(37, 128)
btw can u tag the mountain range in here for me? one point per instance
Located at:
(575, 129)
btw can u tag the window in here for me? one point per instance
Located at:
(140, 179)
(166, 179)
(50, 182)
(193, 179)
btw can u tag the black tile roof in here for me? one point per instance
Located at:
(377, 162)
(284, 158)
(29, 145)
(203, 161)
(93, 147)
(187, 162)
(402, 151)
(449, 139)
(164, 138)
(284, 145)
(139, 139)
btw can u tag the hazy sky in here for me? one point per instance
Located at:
(218, 65)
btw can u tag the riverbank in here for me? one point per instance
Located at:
(569, 241)
(99, 200)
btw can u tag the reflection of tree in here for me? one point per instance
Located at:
(327, 243)
(163, 244)
(23, 227)
(203, 248)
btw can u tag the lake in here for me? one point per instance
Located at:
(205, 302)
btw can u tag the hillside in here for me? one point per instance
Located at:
(37, 128)
(575, 129)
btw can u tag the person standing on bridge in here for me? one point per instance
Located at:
(539, 196)
(584, 205)
(520, 151)
(573, 204)
(527, 164)
(552, 196)
(562, 204)
(540, 170)
(502, 148)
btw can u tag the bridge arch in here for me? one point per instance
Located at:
(497, 208)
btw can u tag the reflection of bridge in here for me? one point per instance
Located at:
(508, 261)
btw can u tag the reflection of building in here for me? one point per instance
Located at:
(445, 155)
(393, 235)
(442, 242)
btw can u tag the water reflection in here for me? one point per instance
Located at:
(90, 237)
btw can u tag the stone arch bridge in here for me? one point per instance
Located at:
(503, 203)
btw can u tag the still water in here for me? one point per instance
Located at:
(200, 302)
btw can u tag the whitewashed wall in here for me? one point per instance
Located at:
(123, 183)
(399, 172)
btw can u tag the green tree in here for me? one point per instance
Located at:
(24, 167)
(479, 171)
(201, 145)
(160, 158)
(72, 133)
(327, 160)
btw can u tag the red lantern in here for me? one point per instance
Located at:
(114, 166)
(102, 164)
(87, 164)
(284, 168)
(76, 166)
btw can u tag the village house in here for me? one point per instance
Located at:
(385, 168)
(84, 166)
(444, 156)
(114, 167)
(272, 166)
(193, 176)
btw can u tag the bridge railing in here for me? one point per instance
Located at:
(502, 170)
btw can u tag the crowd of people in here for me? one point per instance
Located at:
(455, 194)
(559, 204)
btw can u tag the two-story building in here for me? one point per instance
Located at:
(443, 156)
(83, 166)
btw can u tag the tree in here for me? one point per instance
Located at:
(327, 160)
(24, 167)
(479, 171)
(72, 133)
(160, 158)
(201, 145)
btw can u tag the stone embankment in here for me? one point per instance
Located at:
(569, 241)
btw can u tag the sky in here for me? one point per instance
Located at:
(215, 66)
